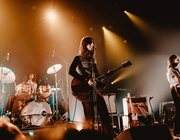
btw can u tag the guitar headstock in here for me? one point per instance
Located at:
(126, 64)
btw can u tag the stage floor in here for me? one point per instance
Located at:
(57, 131)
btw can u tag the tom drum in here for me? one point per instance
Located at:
(44, 91)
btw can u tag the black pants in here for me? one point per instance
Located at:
(102, 112)
(175, 92)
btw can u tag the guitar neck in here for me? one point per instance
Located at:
(111, 72)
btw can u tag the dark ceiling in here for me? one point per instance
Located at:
(161, 14)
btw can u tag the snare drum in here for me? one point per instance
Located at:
(36, 113)
(44, 92)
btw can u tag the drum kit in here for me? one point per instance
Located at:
(35, 110)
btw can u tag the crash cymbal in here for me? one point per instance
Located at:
(54, 69)
(7, 75)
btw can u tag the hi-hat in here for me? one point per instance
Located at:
(7, 75)
(54, 68)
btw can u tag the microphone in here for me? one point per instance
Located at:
(7, 56)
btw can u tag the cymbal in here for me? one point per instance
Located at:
(7, 75)
(54, 69)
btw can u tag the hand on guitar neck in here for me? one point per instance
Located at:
(90, 82)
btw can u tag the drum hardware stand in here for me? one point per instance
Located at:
(55, 106)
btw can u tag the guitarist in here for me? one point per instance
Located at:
(82, 68)
(173, 76)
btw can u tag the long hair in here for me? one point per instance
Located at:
(171, 63)
(83, 51)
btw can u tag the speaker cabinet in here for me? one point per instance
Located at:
(156, 132)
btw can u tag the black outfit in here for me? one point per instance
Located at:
(84, 72)
(175, 92)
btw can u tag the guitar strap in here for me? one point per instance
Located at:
(82, 68)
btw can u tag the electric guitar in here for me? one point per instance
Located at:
(83, 91)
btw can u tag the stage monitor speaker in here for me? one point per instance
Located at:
(156, 132)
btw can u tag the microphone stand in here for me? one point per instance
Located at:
(96, 115)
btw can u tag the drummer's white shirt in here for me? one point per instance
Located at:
(33, 86)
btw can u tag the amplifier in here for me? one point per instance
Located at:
(136, 105)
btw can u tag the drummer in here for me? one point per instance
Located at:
(30, 82)
(25, 91)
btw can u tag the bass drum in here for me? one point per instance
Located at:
(36, 113)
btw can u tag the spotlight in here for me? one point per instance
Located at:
(51, 15)
(103, 27)
(112, 83)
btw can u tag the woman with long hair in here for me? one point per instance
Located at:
(173, 76)
(84, 85)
